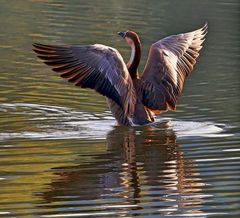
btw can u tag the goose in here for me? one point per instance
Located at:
(132, 99)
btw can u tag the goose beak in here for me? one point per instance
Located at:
(122, 34)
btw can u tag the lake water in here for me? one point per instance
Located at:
(60, 152)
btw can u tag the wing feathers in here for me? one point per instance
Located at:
(172, 59)
(92, 66)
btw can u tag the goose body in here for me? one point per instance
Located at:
(132, 99)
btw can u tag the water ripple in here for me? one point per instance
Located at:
(65, 123)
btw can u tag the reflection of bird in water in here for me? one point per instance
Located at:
(132, 99)
(142, 166)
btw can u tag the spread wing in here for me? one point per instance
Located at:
(96, 66)
(170, 61)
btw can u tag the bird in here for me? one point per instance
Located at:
(132, 98)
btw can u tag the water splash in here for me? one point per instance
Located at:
(53, 122)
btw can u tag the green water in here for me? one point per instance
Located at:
(60, 152)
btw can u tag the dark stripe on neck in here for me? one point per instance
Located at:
(133, 67)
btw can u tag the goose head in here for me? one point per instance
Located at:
(130, 37)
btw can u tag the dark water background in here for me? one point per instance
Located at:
(60, 154)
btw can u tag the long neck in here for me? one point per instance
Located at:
(134, 60)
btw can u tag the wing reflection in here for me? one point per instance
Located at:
(141, 168)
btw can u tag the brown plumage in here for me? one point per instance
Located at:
(133, 100)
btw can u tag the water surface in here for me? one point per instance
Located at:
(61, 153)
